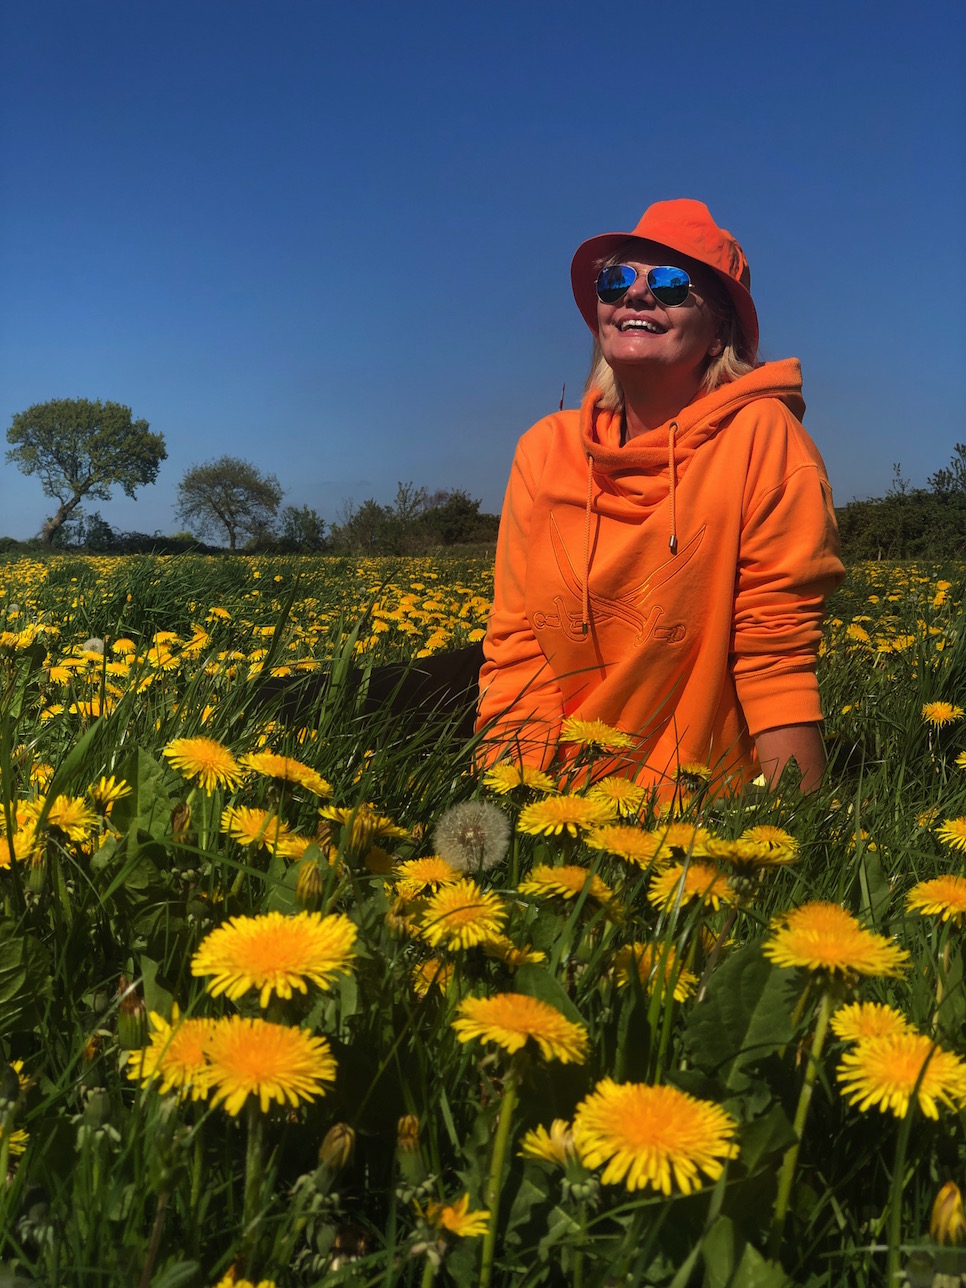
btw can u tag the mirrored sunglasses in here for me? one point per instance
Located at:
(669, 286)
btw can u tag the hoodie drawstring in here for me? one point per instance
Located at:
(585, 588)
(673, 540)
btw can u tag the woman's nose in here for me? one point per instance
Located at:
(639, 289)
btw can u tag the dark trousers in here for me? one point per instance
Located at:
(442, 689)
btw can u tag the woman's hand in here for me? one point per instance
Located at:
(799, 742)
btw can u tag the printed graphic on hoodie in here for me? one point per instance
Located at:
(642, 618)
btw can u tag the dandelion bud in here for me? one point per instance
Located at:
(180, 821)
(360, 831)
(308, 887)
(337, 1148)
(947, 1223)
(37, 876)
(132, 1018)
(407, 1134)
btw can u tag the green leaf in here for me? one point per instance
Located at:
(745, 1016)
(765, 1137)
(537, 982)
(24, 975)
(731, 1262)
(183, 1274)
(148, 808)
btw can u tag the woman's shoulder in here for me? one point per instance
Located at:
(559, 427)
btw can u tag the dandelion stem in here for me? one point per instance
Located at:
(253, 1177)
(787, 1176)
(715, 953)
(495, 1182)
(429, 1273)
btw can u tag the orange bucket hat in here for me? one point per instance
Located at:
(684, 226)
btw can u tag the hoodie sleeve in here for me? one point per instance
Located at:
(520, 706)
(788, 564)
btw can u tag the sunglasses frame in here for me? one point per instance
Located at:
(668, 304)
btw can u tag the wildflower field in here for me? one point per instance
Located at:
(303, 1002)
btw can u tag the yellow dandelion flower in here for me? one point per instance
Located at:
(825, 937)
(953, 833)
(502, 949)
(365, 825)
(458, 1219)
(624, 795)
(628, 843)
(682, 840)
(558, 814)
(16, 1140)
(206, 760)
(653, 1137)
(108, 790)
(288, 770)
(507, 778)
(275, 954)
(943, 897)
(553, 1146)
(423, 876)
(861, 1020)
(885, 1071)
(781, 844)
(941, 713)
(73, 816)
(594, 733)
(431, 973)
(250, 1057)
(692, 776)
(513, 1019)
(253, 826)
(461, 915)
(653, 962)
(174, 1058)
(684, 882)
(567, 881)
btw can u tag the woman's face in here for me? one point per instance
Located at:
(638, 332)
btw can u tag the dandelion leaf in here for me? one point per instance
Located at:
(24, 977)
(539, 983)
(182, 1274)
(745, 1017)
(731, 1262)
(148, 808)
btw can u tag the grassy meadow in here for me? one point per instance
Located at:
(304, 1003)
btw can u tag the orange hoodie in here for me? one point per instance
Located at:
(673, 587)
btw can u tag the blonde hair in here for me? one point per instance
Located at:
(729, 364)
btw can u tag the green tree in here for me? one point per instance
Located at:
(301, 530)
(79, 449)
(229, 495)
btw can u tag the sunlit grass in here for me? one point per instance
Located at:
(150, 798)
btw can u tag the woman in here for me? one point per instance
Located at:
(665, 552)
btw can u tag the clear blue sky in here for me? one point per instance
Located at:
(334, 238)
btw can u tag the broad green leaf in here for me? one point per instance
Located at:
(731, 1262)
(745, 1016)
(537, 982)
(148, 808)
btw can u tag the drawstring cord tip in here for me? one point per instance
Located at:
(673, 544)
(584, 628)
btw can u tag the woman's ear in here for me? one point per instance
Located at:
(715, 348)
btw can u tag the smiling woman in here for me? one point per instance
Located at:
(665, 552)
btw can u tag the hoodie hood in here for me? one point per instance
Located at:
(639, 470)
